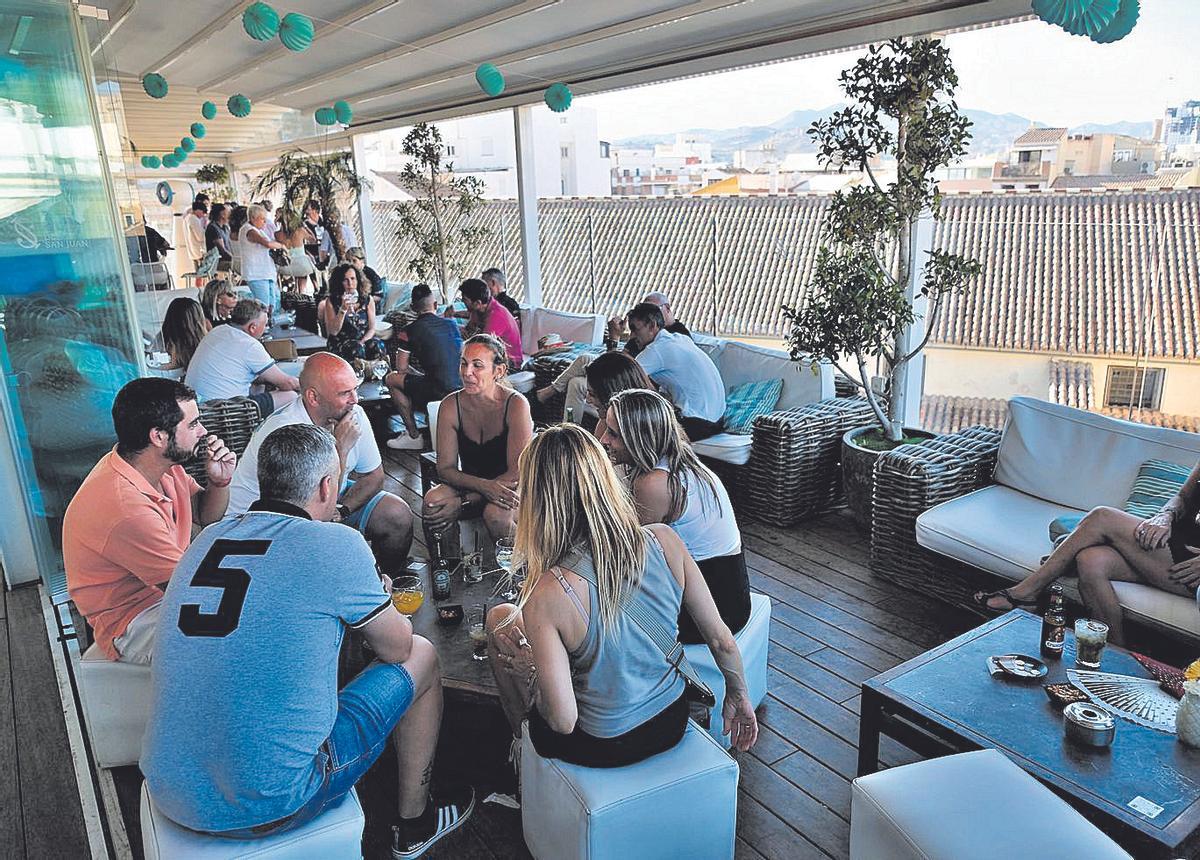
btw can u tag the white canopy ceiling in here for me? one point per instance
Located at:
(398, 61)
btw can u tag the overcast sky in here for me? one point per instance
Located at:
(1032, 69)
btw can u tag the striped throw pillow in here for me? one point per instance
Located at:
(747, 401)
(1156, 482)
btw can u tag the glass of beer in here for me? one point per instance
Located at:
(1090, 639)
(477, 631)
(408, 593)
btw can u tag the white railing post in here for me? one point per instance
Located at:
(365, 218)
(531, 253)
(912, 383)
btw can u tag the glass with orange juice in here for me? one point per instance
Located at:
(408, 593)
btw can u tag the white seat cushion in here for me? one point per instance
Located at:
(727, 447)
(1006, 532)
(978, 805)
(522, 381)
(753, 642)
(116, 705)
(336, 832)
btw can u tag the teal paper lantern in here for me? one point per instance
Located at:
(155, 85)
(169, 160)
(180, 153)
(342, 112)
(490, 79)
(1078, 17)
(208, 110)
(187, 144)
(1121, 25)
(198, 130)
(325, 116)
(150, 161)
(238, 105)
(260, 22)
(296, 31)
(557, 97)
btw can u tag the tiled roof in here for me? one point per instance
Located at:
(1085, 273)
(944, 414)
(1163, 179)
(1041, 137)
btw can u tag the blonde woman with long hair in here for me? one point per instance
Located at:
(670, 485)
(594, 687)
(482, 430)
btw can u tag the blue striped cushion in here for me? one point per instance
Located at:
(749, 400)
(1156, 482)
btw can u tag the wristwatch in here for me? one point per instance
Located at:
(343, 512)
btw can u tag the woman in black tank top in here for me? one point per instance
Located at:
(482, 430)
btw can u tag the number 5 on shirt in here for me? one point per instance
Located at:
(234, 582)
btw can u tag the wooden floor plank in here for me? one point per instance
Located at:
(770, 835)
(804, 700)
(742, 850)
(819, 824)
(811, 674)
(772, 746)
(808, 774)
(831, 750)
(12, 827)
(50, 806)
(847, 667)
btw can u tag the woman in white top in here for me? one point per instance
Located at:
(670, 485)
(257, 266)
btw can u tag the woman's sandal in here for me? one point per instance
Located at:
(981, 598)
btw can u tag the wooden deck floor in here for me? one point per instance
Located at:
(833, 626)
(40, 813)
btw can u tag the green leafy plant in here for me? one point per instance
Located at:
(859, 304)
(215, 179)
(437, 220)
(299, 177)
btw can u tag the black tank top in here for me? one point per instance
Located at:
(488, 459)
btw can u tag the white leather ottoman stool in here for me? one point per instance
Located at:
(978, 805)
(752, 642)
(334, 834)
(116, 705)
(679, 804)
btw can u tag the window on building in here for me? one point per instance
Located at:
(1140, 387)
(1123, 155)
(449, 149)
(1069, 168)
(486, 147)
(564, 151)
(604, 149)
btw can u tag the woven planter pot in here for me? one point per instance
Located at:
(858, 473)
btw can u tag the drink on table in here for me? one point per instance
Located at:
(1090, 639)
(408, 593)
(478, 632)
(441, 583)
(473, 568)
(1054, 625)
(504, 554)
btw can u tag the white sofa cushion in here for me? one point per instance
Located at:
(1003, 531)
(976, 804)
(731, 448)
(1044, 444)
(574, 328)
(742, 362)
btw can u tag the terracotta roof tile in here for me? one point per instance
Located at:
(1041, 137)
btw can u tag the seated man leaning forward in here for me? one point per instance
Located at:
(329, 399)
(481, 432)
(682, 370)
(249, 735)
(131, 520)
(231, 358)
(571, 381)
(1110, 545)
(435, 343)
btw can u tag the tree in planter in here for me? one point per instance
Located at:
(299, 177)
(434, 220)
(859, 303)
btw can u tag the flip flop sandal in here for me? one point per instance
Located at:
(980, 599)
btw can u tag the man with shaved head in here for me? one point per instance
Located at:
(329, 399)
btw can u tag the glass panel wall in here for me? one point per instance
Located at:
(67, 341)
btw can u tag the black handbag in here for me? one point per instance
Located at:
(695, 690)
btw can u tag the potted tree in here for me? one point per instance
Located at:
(299, 177)
(866, 292)
(436, 222)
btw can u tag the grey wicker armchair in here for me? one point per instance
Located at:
(234, 420)
(909, 481)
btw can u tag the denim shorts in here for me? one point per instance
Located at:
(359, 519)
(368, 709)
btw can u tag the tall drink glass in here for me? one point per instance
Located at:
(1090, 639)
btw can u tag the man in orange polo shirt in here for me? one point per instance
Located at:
(129, 523)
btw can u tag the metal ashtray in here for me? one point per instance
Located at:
(1018, 666)
(1089, 724)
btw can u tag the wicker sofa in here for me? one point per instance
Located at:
(981, 500)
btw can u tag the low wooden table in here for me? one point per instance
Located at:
(460, 671)
(306, 341)
(945, 701)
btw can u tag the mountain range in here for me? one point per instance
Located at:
(990, 133)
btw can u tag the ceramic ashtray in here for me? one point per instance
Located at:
(1017, 666)
(450, 613)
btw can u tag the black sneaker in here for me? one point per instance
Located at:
(446, 814)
